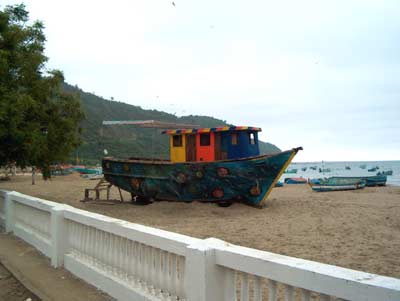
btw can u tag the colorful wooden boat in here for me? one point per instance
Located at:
(372, 169)
(295, 181)
(369, 180)
(336, 184)
(293, 170)
(219, 165)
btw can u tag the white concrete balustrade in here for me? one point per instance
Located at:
(135, 262)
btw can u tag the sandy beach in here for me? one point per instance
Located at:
(353, 229)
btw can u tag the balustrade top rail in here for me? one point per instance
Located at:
(157, 238)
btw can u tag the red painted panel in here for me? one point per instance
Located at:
(205, 153)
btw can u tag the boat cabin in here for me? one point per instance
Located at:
(212, 144)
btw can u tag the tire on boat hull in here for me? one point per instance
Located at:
(141, 200)
(225, 204)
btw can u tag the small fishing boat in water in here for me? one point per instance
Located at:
(336, 184)
(295, 181)
(369, 180)
(385, 173)
(293, 170)
(348, 168)
(86, 170)
(220, 165)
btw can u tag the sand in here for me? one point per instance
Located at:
(354, 229)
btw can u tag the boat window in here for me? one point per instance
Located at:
(204, 139)
(252, 138)
(177, 140)
(235, 138)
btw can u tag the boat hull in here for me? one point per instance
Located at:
(323, 188)
(337, 183)
(295, 181)
(249, 180)
(369, 180)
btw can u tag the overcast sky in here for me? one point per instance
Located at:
(324, 75)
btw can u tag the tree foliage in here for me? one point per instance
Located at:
(39, 122)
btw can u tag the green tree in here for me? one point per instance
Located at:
(39, 122)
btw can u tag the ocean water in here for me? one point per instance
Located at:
(338, 169)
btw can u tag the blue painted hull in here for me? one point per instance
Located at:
(248, 180)
(369, 180)
(336, 184)
(327, 187)
(91, 171)
(295, 181)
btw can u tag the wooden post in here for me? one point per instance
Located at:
(120, 195)
(33, 175)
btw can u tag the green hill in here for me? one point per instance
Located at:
(128, 140)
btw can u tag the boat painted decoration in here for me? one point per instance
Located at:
(295, 181)
(336, 184)
(219, 165)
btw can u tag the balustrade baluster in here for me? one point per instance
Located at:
(244, 289)
(80, 241)
(323, 297)
(164, 272)
(136, 261)
(305, 295)
(257, 288)
(103, 250)
(173, 286)
(272, 290)
(289, 293)
(109, 253)
(181, 276)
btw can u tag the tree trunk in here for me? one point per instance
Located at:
(33, 175)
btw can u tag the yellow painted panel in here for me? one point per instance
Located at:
(178, 153)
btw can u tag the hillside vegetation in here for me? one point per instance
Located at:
(129, 140)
